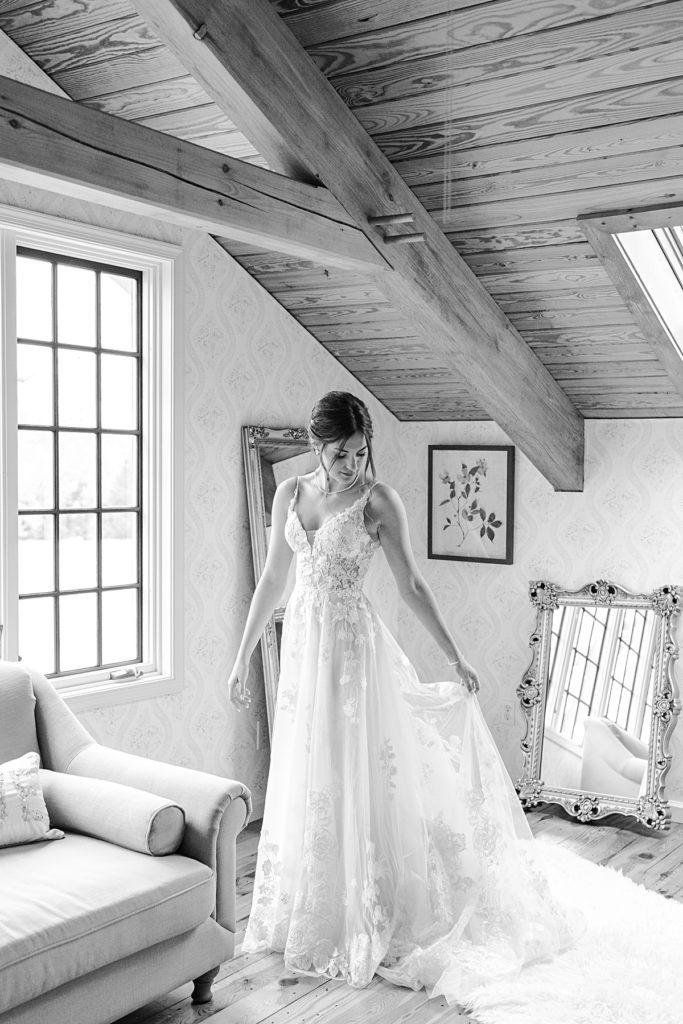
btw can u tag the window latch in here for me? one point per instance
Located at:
(132, 672)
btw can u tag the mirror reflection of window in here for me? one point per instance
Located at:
(628, 689)
(599, 711)
(601, 664)
(578, 639)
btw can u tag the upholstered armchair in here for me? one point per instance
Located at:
(137, 898)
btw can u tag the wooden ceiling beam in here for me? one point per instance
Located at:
(252, 66)
(50, 141)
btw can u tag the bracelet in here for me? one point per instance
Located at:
(456, 662)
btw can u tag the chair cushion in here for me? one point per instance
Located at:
(17, 712)
(69, 908)
(107, 810)
(23, 814)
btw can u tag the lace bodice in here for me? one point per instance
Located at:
(335, 559)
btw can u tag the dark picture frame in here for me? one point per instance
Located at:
(470, 502)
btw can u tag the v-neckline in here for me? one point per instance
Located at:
(335, 515)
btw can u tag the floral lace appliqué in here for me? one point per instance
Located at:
(387, 756)
(389, 846)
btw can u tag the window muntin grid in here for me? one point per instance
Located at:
(581, 670)
(81, 608)
(628, 693)
(620, 686)
(601, 661)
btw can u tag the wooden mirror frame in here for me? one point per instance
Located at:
(293, 441)
(650, 809)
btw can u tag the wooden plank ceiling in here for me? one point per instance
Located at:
(508, 119)
(103, 54)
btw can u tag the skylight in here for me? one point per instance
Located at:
(656, 260)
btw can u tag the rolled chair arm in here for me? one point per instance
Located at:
(216, 809)
(129, 817)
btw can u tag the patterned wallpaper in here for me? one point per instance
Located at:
(247, 361)
(624, 526)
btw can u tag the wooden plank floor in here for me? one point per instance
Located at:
(256, 989)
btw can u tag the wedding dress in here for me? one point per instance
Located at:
(393, 842)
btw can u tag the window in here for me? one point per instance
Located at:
(642, 251)
(79, 442)
(655, 257)
(90, 451)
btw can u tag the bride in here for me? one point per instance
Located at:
(392, 842)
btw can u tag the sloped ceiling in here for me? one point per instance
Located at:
(508, 119)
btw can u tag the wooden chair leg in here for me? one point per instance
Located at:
(202, 986)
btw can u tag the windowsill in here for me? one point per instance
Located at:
(107, 694)
(562, 741)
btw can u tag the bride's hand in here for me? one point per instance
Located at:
(238, 693)
(468, 675)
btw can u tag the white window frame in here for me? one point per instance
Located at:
(650, 287)
(161, 265)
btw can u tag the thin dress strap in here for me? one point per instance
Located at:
(369, 492)
(296, 491)
(366, 515)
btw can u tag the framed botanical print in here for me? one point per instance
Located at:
(471, 502)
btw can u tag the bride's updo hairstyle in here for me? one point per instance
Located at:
(335, 417)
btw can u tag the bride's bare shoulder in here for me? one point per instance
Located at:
(384, 497)
(286, 489)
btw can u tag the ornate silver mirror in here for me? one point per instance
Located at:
(600, 700)
(270, 456)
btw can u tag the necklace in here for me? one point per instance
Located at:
(323, 490)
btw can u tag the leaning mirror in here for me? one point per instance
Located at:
(270, 456)
(600, 700)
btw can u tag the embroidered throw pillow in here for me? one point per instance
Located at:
(23, 814)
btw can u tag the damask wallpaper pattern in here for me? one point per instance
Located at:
(247, 361)
(624, 526)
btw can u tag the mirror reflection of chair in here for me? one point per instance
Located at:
(600, 700)
(613, 761)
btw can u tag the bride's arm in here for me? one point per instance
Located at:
(266, 595)
(387, 509)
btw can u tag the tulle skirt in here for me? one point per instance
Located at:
(393, 842)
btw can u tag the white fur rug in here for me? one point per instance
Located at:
(626, 969)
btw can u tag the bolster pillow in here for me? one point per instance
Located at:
(118, 814)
